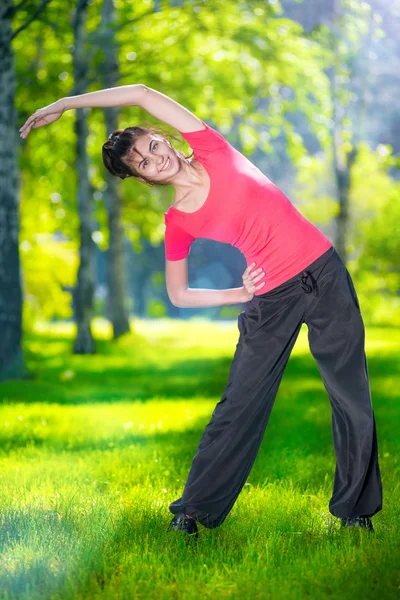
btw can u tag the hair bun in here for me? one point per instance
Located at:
(114, 136)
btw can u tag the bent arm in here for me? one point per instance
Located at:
(176, 278)
(160, 106)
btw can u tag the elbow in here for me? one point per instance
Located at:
(144, 92)
(140, 90)
(177, 298)
(174, 300)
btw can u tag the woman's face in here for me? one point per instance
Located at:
(155, 159)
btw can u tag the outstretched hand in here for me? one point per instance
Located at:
(250, 279)
(43, 116)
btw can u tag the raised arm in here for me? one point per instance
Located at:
(160, 106)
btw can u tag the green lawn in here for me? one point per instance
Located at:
(93, 449)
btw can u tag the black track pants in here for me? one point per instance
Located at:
(322, 296)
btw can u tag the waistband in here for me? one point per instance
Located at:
(307, 282)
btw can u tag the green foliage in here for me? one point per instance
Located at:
(315, 190)
(378, 266)
(375, 217)
(156, 309)
(228, 312)
(374, 231)
(48, 265)
(371, 184)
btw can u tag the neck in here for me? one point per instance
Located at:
(188, 177)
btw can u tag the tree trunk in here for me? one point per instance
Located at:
(344, 164)
(112, 194)
(84, 343)
(115, 263)
(342, 175)
(11, 356)
(340, 170)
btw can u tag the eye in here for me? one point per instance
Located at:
(144, 162)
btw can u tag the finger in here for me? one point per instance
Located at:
(257, 272)
(260, 286)
(30, 127)
(248, 269)
(27, 130)
(27, 126)
(24, 127)
(38, 123)
(247, 276)
(34, 117)
(26, 133)
(28, 122)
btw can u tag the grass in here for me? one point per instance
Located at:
(94, 448)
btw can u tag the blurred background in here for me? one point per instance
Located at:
(308, 91)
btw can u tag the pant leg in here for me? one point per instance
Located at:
(336, 336)
(229, 445)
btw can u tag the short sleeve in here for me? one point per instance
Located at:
(177, 241)
(204, 141)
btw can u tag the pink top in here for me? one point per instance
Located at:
(244, 209)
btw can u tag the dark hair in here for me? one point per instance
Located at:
(119, 145)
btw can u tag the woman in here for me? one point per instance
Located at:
(220, 194)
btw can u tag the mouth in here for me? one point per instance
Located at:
(166, 166)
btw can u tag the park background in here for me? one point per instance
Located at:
(106, 386)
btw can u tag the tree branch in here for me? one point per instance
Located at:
(132, 21)
(41, 8)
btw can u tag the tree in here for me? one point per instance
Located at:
(351, 29)
(112, 195)
(11, 356)
(84, 343)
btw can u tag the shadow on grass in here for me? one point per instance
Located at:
(89, 379)
(130, 369)
(292, 436)
(302, 418)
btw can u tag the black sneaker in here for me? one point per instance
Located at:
(357, 522)
(181, 522)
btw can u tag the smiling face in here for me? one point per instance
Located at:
(153, 158)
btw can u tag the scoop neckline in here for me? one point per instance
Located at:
(182, 212)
